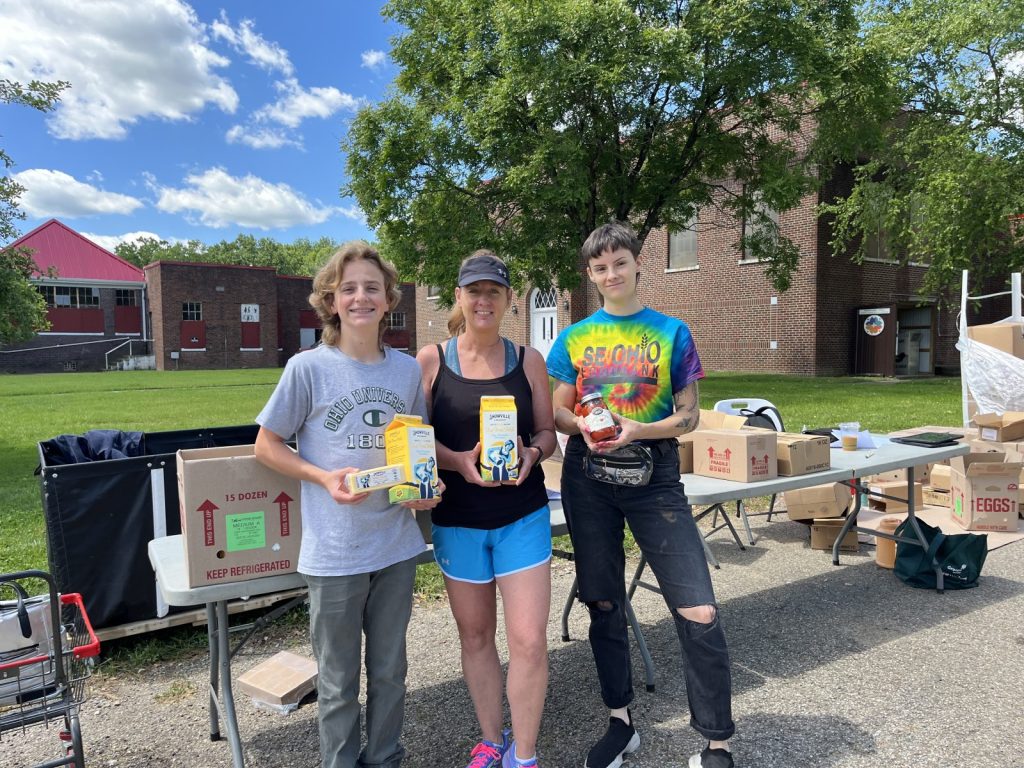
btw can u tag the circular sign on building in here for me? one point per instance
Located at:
(874, 325)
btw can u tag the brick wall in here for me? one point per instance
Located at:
(292, 299)
(221, 290)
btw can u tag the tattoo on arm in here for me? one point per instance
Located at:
(687, 412)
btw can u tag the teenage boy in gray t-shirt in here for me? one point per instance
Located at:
(359, 551)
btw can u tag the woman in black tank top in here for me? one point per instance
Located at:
(477, 520)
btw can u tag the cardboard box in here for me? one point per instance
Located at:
(824, 532)
(941, 477)
(239, 519)
(499, 455)
(936, 497)
(819, 501)
(281, 681)
(410, 443)
(894, 488)
(802, 454)
(375, 479)
(708, 420)
(741, 455)
(1007, 337)
(922, 474)
(985, 491)
(1000, 427)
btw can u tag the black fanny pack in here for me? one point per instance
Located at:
(631, 465)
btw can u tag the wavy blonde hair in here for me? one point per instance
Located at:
(456, 319)
(332, 273)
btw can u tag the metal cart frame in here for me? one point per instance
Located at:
(43, 680)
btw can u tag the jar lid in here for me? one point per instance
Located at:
(591, 396)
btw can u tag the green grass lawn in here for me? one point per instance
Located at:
(39, 407)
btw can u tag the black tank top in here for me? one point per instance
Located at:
(455, 416)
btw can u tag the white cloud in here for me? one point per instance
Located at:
(110, 242)
(126, 61)
(374, 59)
(353, 212)
(56, 194)
(260, 138)
(214, 198)
(298, 103)
(263, 53)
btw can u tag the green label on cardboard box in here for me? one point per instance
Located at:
(245, 530)
(958, 507)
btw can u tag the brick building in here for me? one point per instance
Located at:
(186, 315)
(837, 318)
(96, 305)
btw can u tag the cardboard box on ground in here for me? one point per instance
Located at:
(239, 519)
(824, 532)
(819, 501)
(896, 488)
(985, 491)
(280, 682)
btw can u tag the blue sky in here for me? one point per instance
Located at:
(200, 120)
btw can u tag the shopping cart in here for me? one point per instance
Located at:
(46, 648)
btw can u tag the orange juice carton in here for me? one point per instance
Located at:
(409, 443)
(499, 456)
(376, 479)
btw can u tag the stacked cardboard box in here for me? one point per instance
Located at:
(898, 489)
(985, 491)
(824, 533)
(708, 420)
(745, 456)
(819, 501)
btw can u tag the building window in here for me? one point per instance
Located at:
(876, 245)
(433, 291)
(126, 298)
(71, 297)
(763, 224)
(192, 310)
(396, 320)
(682, 247)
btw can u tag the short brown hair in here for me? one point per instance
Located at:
(610, 237)
(330, 276)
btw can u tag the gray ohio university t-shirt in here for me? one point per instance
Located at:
(337, 409)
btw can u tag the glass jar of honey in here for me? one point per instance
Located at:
(598, 418)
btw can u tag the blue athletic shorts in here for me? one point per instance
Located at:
(477, 556)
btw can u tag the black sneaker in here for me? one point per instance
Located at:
(712, 758)
(619, 740)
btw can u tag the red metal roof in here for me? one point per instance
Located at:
(75, 257)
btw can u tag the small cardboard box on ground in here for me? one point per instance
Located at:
(708, 420)
(824, 532)
(936, 497)
(281, 682)
(985, 491)
(819, 501)
(1000, 427)
(941, 477)
(922, 474)
(745, 456)
(896, 488)
(239, 519)
(1006, 337)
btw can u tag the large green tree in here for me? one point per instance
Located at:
(946, 175)
(524, 125)
(22, 308)
(301, 257)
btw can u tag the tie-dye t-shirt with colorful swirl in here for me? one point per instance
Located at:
(637, 362)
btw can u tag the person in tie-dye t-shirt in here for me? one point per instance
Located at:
(645, 366)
